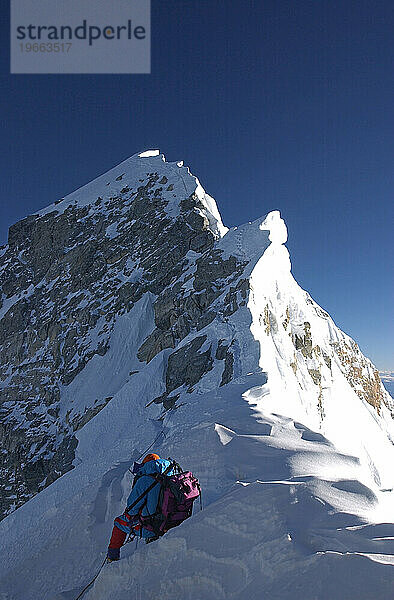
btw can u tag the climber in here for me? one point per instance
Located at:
(128, 523)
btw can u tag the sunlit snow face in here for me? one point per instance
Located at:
(277, 227)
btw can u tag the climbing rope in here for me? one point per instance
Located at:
(131, 537)
(92, 581)
(149, 447)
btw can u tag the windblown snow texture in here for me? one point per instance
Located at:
(127, 309)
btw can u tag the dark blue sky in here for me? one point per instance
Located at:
(273, 104)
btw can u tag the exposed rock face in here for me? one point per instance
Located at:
(317, 359)
(69, 274)
(361, 374)
(65, 277)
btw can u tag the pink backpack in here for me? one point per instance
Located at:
(177, 495)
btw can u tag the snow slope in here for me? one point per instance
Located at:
(285, 514)
(294, 451)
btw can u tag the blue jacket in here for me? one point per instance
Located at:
(142, 484)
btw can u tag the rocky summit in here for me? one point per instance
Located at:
(139, 260)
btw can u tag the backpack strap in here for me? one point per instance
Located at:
(157, 480)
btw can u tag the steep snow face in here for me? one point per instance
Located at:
(267, 528)
(157, 324)
(301, 352)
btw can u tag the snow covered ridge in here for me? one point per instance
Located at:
(127, 308)
(134, 170)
